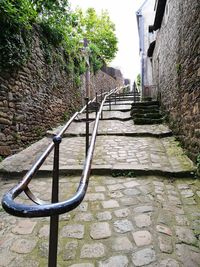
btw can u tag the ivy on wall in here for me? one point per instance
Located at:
(60, 27)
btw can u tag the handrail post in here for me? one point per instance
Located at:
(101, 102)
(109, 102)
(54, 219)
(134, 95)
(96, 110)
(87, 129)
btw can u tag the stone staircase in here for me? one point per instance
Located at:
(121, 145)
(135, 212)
(146, 113)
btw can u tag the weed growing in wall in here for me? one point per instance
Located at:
(198, 164)
(178, 68)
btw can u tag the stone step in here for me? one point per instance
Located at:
(114, 170)
(122, 102)
(142, 112)
(107, 115)
(141, 121)
(145, 104)
(124, 98)
(155, 115)
(114, 127)
(145, 155)
(147, 108)
(118, 107)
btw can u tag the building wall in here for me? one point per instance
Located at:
(37, 97)
(176, 70)
(146, 19)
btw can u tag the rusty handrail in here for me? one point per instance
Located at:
(44, 209)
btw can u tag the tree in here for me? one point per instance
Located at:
(100, 31)
(138, 81)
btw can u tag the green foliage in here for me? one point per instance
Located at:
(17, 14)
(96, 61)
(17, 137)
(40, 132)
(138, 80)
(124, 173)
(1, 209)
(178, 68)
(61, 28)
(65, 116)
(100, 32)
(198, 164)
(16, 18)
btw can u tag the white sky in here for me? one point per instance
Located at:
(122, 13)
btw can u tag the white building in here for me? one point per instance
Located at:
(145, 17)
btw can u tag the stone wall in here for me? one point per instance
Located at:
(115, 73)
(37, 97)
(101, 81)
(176, 70)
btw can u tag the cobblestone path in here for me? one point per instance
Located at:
(145, 220)
(141, 221)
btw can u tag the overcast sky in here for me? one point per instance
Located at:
(122, 13)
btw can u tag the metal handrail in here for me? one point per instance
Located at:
(43, 209)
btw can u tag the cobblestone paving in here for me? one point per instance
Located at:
(141, 152)
(122, 222)
(140, 221)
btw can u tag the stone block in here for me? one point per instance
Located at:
(23, 246)
(122, 213)
(110, 204)
(94, 196)
(163, 229)
(100, 230)
(185, 235)
(143, 257)
(5, 150)
(123, 226)
(142, 238)
(122, 244)
(69, 252)
(143, 209)
(85, 217)
(117, 261)
(165, 244)
(104, 216)
(73, 231)
(24, 227)
(93, 250)
(142, 220)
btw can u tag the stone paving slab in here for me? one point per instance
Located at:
(118, 107)
(145, 153)
(119, 102)
(139, 221)
(117, 115)
(115, 128)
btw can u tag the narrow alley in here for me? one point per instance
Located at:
(141, 207)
